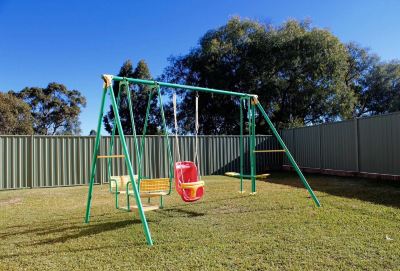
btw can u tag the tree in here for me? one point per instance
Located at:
(92, 132)
(297, 71)
(55, 109)
(382, 90)
(375, 84)
(15, 116)
(72, 128)
(139, 95)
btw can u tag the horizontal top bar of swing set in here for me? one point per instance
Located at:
(170, 85)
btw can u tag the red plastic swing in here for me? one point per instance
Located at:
(187, 181)
(187, 177)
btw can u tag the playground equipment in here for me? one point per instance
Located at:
(187, 182)
(186, 173)
(148, 188)
(241, 175)
(237, 175)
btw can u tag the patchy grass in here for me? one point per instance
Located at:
(358, 227)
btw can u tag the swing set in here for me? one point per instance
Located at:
(184, 174)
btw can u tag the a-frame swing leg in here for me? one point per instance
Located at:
(166, 139)
(132, 117)
(110, 151)
(288, 154)
(108, 87)
(94, 159)
(252, 132)
(130, 168)
(241, 143)
(138, 161)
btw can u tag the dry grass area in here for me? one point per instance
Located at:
(358, 228)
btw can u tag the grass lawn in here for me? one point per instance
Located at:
(358, 228)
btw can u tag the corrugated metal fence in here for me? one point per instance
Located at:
(366, 145)
(47, 161)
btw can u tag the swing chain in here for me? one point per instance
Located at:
(196, 156)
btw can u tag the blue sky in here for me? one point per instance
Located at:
(73, 42)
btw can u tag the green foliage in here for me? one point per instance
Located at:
(383, 89)
(55, 109)
(15, 116)
(139, 95)
(376, 84)
(297, 71)
(92, 132)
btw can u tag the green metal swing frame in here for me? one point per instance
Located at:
(251, 99)
(124, 86)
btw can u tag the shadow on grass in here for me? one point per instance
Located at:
(88, 230)
(187, 213)
(44, 230)
(39, 254)
(85, 230)
(41, 230)
(202, 202)
(374, 191)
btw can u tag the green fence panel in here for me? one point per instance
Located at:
(379, 144)
(366, 145)
(51, 161)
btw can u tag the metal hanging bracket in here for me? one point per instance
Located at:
(107, 78)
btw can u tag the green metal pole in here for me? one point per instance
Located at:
(171, 165)
(145, 131)
(252, 148)
(241, 143)
(130, 170)
(288, 154)
(169, 85)
(133, 128)
(110, 151)
(94, 159)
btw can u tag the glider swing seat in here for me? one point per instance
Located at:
(147, 187)
(186, 174)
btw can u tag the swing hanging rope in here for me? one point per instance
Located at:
(176, 133)
(196, 152)
(176, 128)
(196, 132)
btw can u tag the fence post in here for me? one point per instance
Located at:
(31, 164)
(294, 144)
(320, 148)
(357, 148)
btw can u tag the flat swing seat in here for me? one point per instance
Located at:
(237, 175)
